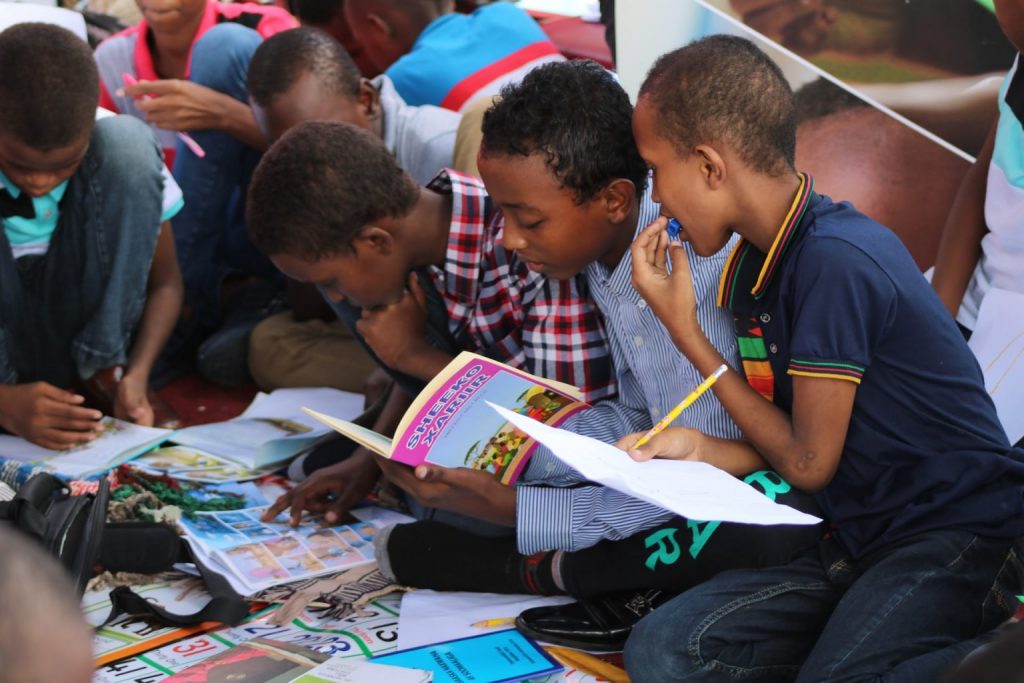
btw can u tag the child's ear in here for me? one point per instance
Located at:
(712, 166)
(373, 239)
(619, 196)
(381, 24)
(369, 99)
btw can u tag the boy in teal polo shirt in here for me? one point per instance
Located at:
(877, 405)
(89, 282)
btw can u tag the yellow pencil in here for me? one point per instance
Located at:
(683, 405)
(495, 623)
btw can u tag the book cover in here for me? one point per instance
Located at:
(450, 423)
(256, 661)
(498, 657)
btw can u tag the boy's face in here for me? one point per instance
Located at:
(168, 16)
(380, 46)
(36, 172)
(680, 186)
(543, 223)
(308, 100)
(1011, 18)
(363, 275)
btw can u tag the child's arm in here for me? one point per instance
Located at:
(398, 335)
(175, 104)
(164, 291)
(803, 448)
(960, 247)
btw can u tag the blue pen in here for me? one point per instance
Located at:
(674, 227)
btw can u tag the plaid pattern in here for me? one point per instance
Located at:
(500, 308)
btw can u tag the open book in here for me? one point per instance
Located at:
(272, 429)
(116, 443)
(450, 423)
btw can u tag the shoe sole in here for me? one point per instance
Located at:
(587, 646)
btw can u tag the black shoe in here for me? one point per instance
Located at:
(602, 624)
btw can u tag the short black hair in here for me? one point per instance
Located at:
(316, 12)
(49, 85)
(578, 116)
(725, 89)
(284, 57)
(320, 184)
(821, 97)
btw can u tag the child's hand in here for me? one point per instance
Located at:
(458, 489)
(132, 402)
(332, 491)
(47, 416)
(672, 443)
(669, 294)
(175, 104)
(397, 333)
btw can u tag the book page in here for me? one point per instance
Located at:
(450, 424)
(695, 490)
(378, 443)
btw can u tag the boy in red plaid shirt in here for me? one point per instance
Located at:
(418, 273)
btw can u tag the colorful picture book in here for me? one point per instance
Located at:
(254, 554)
(117, 443)
(498, 657)
(272, 429)
(450, 424)
(192, 464)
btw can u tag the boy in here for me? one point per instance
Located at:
(305, 75)
(43, 636)
(89, 283)
(436, 56)
(329, 16)
(570, 184)
(331, 207)
(877, 404)
(190, 59)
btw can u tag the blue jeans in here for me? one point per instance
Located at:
(73, 310)
(906, 613)
(209, 232)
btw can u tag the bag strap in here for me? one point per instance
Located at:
(225, 605)
(25, 516)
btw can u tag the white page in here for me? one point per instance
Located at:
(119, 441)
(289, 403)
(429, 617)
(998, 344)
(341, 669)
(695, 490)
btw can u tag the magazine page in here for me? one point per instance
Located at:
(118, 442)
(450, 423)
(273, 428)
(192, 464)
(262, 554)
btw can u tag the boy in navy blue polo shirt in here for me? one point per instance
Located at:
(874, 402)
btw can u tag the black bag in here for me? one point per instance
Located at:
(69, 527)
(74, 530)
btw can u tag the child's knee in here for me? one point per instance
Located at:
(125, 152)
(221, 56)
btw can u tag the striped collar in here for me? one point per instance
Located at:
(742, 272)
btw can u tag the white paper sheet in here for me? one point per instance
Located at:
(998, 344)
(694, 490)
(432, 617)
